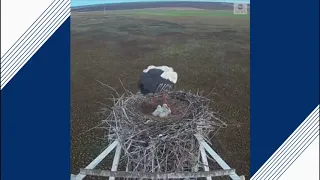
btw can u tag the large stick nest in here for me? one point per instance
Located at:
(153, 144)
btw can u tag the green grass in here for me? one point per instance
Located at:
(175, 13)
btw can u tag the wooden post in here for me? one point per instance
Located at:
(142, 175)
(216, 157)
(204, 160)
(98, 159)
(116, 160)
(89, 170)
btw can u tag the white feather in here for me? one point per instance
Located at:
(171, 76)
(168, 72)
(163, 68)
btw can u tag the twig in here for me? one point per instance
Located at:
(108, 87)
(162, 145)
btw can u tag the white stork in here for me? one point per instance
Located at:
(156, 79)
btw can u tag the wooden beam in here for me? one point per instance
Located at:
(98, 159)
(116, 160)
(215, 156)
(204, 160)
(196, 167)
(134, 174)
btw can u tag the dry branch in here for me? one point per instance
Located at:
(152, 144)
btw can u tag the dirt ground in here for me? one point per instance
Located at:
(209, 53)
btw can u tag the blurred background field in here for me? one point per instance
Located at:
(210, 49)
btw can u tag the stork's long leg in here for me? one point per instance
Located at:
(164, 98)
(164, 101)
(153, 101)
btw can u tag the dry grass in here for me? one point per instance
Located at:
(209, 53)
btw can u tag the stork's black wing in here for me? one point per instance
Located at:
(168, 86)
(152, 82)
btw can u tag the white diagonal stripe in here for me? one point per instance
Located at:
(306, 166)
(33, 39)
(42, 29)
(292, 148)
(30, 43)
(16, 17)
(32, 51)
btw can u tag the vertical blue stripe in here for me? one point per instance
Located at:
(284, 72)
(35, 114)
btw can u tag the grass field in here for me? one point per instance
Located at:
(209, 49)
(168, 12)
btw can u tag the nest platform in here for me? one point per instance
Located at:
(173, 147)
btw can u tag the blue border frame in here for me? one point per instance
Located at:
(35, 111)
(35, 114)
(284, 72)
